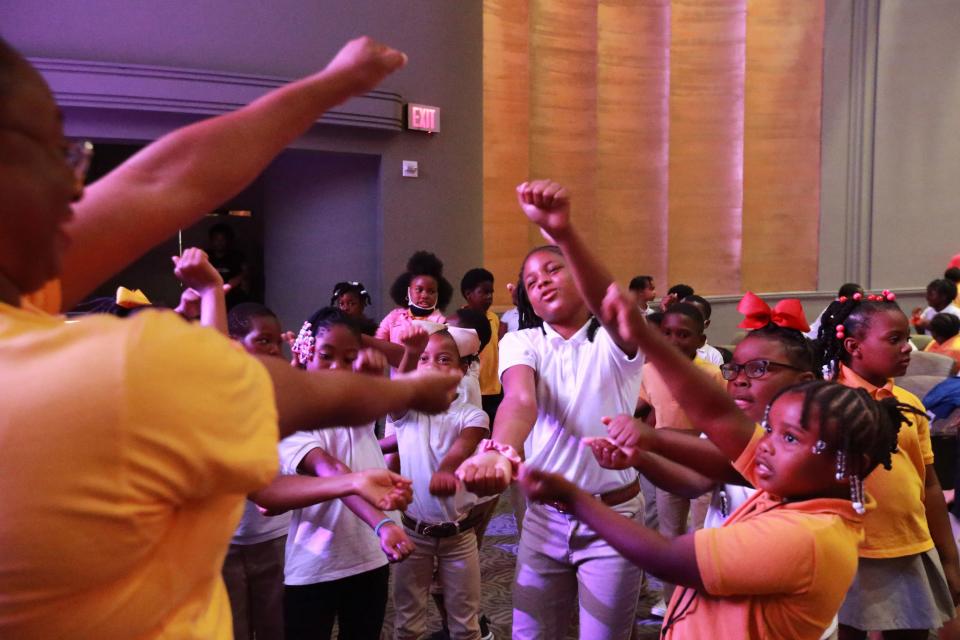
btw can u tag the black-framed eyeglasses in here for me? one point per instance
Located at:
(753, 368)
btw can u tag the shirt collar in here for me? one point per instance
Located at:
(579, 337)
(849, 378)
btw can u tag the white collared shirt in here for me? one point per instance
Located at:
(578, 382)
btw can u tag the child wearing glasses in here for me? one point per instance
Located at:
(683, 326)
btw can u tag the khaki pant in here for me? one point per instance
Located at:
(458, 570)
(562, 562)
(672, 513)
(253, 574)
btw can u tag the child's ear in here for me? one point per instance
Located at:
(852, 346)
(706, 325)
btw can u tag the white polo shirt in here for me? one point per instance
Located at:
(578, 383)
(326, 540)
(930, 312)
(423, 441)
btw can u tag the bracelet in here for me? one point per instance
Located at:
(381, 525)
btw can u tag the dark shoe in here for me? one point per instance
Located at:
(485, 633)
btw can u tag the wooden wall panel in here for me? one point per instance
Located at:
(781, 163)
(506, 138)
(633, 128)
(707, 53)
(563, 103)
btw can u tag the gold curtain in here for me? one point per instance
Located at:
(687, 130)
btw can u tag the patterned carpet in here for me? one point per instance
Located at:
(497, 561)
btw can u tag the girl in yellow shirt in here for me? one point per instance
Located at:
(908, 579)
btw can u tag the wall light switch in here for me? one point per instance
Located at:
(411, 169)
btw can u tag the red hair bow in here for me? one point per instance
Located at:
(787, 313)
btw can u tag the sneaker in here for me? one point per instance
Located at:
(485, 633)
(659, 609)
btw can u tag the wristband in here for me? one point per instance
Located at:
(505, 450)
(381, 525)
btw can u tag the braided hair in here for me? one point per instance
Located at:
(852, 423)
(528, 318)
(847, 316)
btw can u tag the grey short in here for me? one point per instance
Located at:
(898, 593)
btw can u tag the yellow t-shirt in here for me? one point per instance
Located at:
(669, 412)
(898, 527)
(127, 449)
(774, 570)
(950, 348)
(490, 359)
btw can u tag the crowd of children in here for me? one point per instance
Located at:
(641, 449)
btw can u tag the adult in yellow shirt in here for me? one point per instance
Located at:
(129, 445)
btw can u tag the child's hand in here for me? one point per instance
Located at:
(546, 204)
(290, 338)
(394, 542)
(612, 456)
(542, 486)
(443, 483)
(194, 270)
(486, 474)
(370, 361)
(618, 311)
(414, 339)
(384, 489)
(189, 306)
(627, 431)
(431, 392)
(667, 301)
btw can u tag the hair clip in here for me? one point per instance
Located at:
(842, 299)
(818, 447)
(889, 296)
(305, 345)
(841, 332)
(858, 296)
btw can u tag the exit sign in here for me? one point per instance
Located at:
(423, 117)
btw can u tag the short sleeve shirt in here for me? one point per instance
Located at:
(578, 382)
(128, 448)
(791, 589)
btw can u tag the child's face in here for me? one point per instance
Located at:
(480, 297)
(753, 395)
(264, 337)
(337, 348)
(550, 287)
(647, 295)
(423, 291)
(440, 355)
(785, 464)
(936, 300)
(351, 304)
(884, 350)
(682, 332)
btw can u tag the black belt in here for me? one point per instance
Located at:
(443, 529)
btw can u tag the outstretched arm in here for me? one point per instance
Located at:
(321, 399)
(547, 204)
(380, 487)
(707, 405)
(394, 542)
(187, 173)
(670, 559)
(490, 473)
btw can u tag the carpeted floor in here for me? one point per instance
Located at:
(497, 561)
